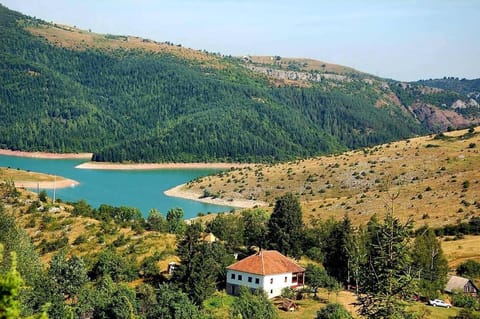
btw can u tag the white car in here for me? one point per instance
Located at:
(439, 303)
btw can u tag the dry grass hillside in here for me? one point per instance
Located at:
(304, 64)
(77, 39)
(436, 177)
(52, 227)
(20, 175)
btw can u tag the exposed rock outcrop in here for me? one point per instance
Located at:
(296, 75)
(437, 119)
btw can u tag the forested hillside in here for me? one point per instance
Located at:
(462, 86)
(126, 99)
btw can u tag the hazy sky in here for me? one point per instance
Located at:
(403, 40)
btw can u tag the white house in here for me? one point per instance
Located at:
(267, 269)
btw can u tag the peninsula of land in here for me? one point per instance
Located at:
(182, 192)
(28, 179)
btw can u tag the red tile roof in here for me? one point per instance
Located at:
(266, 262)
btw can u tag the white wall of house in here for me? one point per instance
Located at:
(272, 284)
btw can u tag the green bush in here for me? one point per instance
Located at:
(465, 301)
(469, 268)
(80, 239)
(465, 314)
(333, 311)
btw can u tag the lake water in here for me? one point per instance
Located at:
(142, 189)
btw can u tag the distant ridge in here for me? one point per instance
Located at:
(124, 98)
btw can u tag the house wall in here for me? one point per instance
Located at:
(470, 289)
(271, 284)
(274, 284)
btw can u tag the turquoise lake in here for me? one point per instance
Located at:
(142, 189)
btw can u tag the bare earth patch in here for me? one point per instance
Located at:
(152, 166)
(46, 155)
(32, 179)
(182, 192)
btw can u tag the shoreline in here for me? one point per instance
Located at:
(180, 192)
(63, 183)
(46, 155)
(154, 166)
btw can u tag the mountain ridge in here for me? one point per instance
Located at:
(130, 99)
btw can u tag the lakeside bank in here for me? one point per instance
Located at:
(180, 192)
(60, 183)
(153, 166)
(46, 155)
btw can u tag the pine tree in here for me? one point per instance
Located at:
(286, 228)
(336, 258)
(386, 278)
(202, 265)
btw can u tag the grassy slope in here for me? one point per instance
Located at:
(428, 174)
(20, 175)
(304, 64)
(77, 39)
(51, 226)
(56, 222)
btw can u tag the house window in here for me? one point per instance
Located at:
(286, 279)
(271, 291)
(233, 276)
(257, 281)
(249, 279)
(271, 280)
(240, 277)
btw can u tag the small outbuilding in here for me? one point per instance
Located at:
(460, 284)
(289, 305)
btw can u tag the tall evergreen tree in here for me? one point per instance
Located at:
(202, 265)
(285, 227)
(336, 258)
(255, 227)
(386, 278)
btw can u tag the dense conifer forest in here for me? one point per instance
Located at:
(137, 105)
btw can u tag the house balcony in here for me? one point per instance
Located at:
(298, 280)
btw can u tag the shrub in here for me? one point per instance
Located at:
(80, 239)
(333, 311)
(43, 196)
(465, 314)
(469, 268)
(46, 247)
(465, 301)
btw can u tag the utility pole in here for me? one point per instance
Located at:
(54, 187)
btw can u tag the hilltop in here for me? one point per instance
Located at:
(436, 177)
(128, 99)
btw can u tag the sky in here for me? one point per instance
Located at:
(404, 40)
